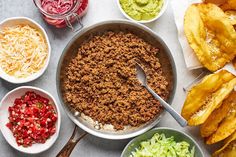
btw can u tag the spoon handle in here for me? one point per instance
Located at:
(168, 108)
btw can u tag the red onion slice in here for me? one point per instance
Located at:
(60, 7)
(57, 6)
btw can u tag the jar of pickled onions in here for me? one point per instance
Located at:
(62, 13)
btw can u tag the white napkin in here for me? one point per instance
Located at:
(179, 8)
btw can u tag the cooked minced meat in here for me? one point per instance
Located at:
(101, 80)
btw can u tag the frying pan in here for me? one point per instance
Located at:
(70, 51)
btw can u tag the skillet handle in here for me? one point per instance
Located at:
(70, 145)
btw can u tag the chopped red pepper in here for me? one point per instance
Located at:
(32, 119)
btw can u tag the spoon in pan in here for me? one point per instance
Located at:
(141, 76)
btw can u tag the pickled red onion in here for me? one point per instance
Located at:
(66, 9)
(57, 6)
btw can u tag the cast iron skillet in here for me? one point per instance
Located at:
(70, 51)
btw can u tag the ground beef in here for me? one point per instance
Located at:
(101, 80)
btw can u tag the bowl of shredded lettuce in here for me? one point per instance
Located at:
(162, 142)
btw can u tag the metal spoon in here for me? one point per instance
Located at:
(141, 76)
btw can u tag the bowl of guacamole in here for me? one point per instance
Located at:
(142, 11)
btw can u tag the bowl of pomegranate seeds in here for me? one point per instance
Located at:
(30, 119)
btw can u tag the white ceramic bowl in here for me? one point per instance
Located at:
(7, 101)
(163, 9)
(25, 21)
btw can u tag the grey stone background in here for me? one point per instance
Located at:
(99, 10)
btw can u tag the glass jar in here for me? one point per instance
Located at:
(62, 13)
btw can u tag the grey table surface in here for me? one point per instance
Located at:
(99, 10)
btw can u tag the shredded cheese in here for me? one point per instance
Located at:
(23, 51)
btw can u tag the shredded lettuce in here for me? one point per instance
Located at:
(161, 146)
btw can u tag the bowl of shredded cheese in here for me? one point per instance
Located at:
(24, 50)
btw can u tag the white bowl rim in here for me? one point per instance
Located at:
(36, 75)
(163, 9)
(164, 128)
(58, 119)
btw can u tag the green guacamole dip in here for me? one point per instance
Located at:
(142, 10)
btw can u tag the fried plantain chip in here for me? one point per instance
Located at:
(229, 148)
(217, 2)
(228, 124)
(214, 100)
(210, 34)
(224, 4)
(234, 63)
(214, 120)
(201, 94)
(228, 5)
(229, 151)
(231, 16)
